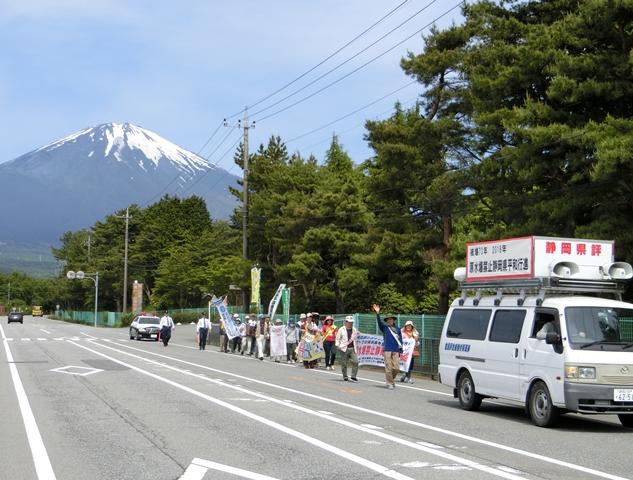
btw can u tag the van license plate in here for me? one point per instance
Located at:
(623, 394)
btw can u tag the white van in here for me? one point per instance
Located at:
(545, 331)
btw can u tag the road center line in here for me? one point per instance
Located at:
(462, 436)
(43, 466)
(387, 472)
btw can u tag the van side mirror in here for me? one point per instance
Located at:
(552, 338)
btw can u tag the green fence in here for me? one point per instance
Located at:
(104, 319)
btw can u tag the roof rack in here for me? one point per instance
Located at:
(539, 286)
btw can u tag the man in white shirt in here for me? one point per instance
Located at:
(166, 324)
(202, 329)
(348, 346)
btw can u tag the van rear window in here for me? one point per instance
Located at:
(468, 324)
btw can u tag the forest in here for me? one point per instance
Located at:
(523, 126)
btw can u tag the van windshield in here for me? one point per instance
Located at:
(599, 328)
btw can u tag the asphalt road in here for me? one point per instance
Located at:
(83, 403)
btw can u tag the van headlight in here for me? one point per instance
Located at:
(573, 372)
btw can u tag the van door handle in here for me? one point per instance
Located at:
(516, 353)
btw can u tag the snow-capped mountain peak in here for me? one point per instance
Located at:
(148, 148)
(75, 181)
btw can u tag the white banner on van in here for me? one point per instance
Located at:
(538, 257)
(510, 258)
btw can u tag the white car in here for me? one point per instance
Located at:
(144, 326)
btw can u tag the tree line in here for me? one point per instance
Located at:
(523, 126)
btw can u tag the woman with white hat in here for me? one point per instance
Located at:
(410, 332)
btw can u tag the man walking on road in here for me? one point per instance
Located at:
(203, 329)
(166, 324)
(346, 343)
(392, 346)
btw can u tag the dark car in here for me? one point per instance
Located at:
(144, 326)
(15, 317)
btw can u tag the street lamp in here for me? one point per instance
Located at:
(79, 275)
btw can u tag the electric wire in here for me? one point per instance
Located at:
(349, 59)
(357, 68)
(199, 177)
(179, 175)
(389, 14)
(353, 112)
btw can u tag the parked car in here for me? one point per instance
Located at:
(144, 326)
(37, 311)
(15, 317)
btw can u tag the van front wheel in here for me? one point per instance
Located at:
(468, 398)
(542, 410)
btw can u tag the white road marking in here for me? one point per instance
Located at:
(45, 331)
(325, 372)
(431, 445)
(364, 462)
(198, 469)
(74, 370)
(89, 336)
(371, 427)
(43, 466)
(363, 428)
(416, 464)
(425, 426)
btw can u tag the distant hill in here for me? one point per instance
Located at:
(32, 260)
(74, 182)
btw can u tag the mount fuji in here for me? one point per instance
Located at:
(74, 182)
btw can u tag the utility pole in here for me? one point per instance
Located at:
(245, 125)
(127, 221)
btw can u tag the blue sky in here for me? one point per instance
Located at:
(179, 68)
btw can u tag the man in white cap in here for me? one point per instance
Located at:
(347, 345)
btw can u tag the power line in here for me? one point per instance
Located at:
(217, 129)
(390, 13)
(352, 113)
(348, 60)
(201, 176)
(358, 68)
(178, 176)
